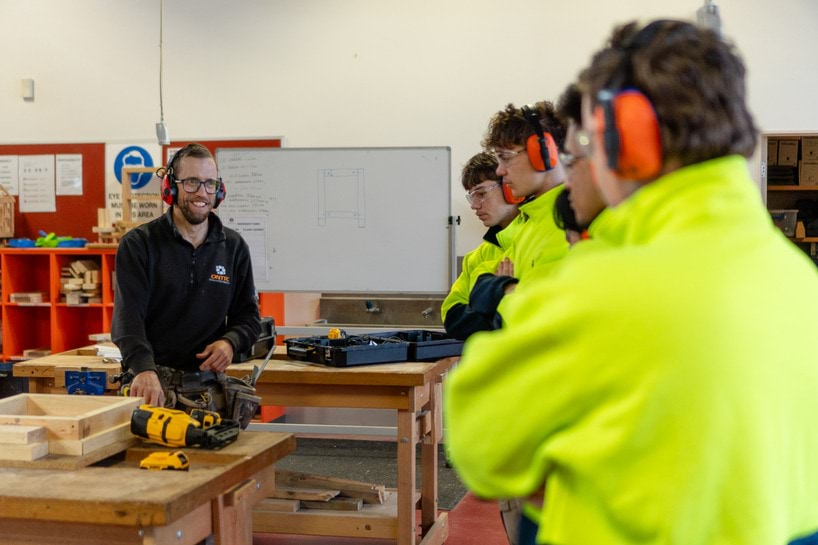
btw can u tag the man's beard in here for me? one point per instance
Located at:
(190, 213)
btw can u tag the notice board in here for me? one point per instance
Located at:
(76, 215)
(343, 219)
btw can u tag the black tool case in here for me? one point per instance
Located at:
(348, 351)
(266, 340)
(425, 345)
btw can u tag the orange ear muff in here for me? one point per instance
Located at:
(542, 152)
(509, 196)
(627, 124)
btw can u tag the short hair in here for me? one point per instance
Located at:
(509, 127)
(194, 149)
(564, 215)
(693, 78)
(569, 105)
(478, 169)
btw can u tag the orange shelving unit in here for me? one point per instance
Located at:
(50, 324)
(58, 326)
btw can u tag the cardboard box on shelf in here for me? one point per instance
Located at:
(788, 152)
(772, 151)
(808, 173)
(809, 148)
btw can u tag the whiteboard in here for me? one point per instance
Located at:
(342, 219)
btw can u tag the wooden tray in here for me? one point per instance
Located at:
(74, 425)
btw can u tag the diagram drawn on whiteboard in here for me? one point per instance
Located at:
(341, 196)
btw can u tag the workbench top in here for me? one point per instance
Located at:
(117, 491)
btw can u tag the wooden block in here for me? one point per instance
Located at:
(103, 217)
(314, 494)
(100, 245)
(370, 493)
(335, 504)
(81, 447)
(800, 230)
(36, 352)
(23, 452)
(27, 297)
(21, 435)
(277, 505)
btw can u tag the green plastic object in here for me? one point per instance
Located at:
(49, 240)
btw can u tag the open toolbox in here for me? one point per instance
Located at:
(347, 351)
(425, 345)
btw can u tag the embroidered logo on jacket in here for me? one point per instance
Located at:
(220, 275)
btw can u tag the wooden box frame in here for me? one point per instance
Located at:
(75, 425)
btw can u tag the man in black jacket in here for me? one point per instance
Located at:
(185, 299)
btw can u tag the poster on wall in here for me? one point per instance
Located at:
(146, 155)
(69, 174)
(37, 192)
(9, 173)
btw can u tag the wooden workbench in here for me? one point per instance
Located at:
(413, 389)
(116, 502)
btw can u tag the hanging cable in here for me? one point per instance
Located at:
(161, 128)
(161, 47)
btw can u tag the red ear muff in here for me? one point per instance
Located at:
(509, 196)
(220, 195)
(626, 122)
(542, 152)
(168, 190)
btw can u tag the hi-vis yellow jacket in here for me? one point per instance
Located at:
(537, 242)
(490, 250)
(663, 386)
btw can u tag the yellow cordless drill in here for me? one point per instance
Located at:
(174, 428)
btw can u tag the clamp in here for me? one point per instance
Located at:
(85, 382)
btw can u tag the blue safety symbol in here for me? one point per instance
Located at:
(134, 156)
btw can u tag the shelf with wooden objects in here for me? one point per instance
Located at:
(789, 182)
(38, 315)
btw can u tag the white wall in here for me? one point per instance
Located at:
(349, 72)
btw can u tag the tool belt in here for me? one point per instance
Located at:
(232, 398)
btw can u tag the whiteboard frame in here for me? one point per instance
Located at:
(451, 222)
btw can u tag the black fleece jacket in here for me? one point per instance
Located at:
(480, 314)
(171, 300)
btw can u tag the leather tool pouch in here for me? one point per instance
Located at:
(240, 400)
(232, 398)
(186, 391)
